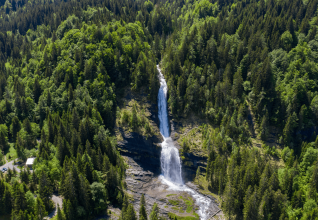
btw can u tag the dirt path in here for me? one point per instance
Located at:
(58, 201)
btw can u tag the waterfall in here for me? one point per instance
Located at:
(170, 160)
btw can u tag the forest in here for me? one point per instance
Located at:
(65, 64)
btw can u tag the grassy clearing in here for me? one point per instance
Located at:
(181, 210)
(174, 216)
(189, 202)
(189, 209)
(174, 202)
(171, 195)
(175, 208)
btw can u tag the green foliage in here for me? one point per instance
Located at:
(171, 195)
(287, 40)
(30, 200)
(64, 65)
(40, 212)
(135, 118)
(4, 137)
(142, 209)
(99, 196)
(270, 150)
(173, 202)
(154, 215)
(174, 216)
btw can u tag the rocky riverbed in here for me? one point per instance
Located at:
(142, 154)
(140, 181)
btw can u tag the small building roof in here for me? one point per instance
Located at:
(30, 161)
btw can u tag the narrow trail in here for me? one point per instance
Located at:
(58, 201)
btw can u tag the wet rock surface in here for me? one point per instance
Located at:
(143, 174)
(144, 181)
(191, 161)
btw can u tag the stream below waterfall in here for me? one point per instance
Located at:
(170, 159)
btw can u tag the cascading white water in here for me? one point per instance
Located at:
(170, 160)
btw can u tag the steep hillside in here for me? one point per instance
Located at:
(79, 85)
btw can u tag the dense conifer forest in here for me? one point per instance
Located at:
(65, 64)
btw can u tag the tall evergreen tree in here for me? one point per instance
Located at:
(142, 209)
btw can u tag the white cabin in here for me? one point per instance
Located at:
(30, 162)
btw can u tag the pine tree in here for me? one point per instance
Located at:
(40, 211)
(59, 214)
(237, 85)
(61, 150)
(229, 200)
(45, 190)
(84, 193)
(69, 211)
(7, 201)
(154, 215)
(49, 99)
(36, 90)
(250, 211)
(88, 172)
(131, 214)
(27, 126)
(20, 148)
(19, 198)
(264, 127)
(51, 131)
(18, 106)
(15, 127)
(289, 129)
(142, 210)
(314, 183)
(70, 93)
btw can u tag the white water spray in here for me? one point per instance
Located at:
(170, 160)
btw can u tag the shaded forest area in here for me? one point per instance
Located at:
(63, 64)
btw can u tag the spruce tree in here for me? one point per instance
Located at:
(264, 127)
(45, 190)
(36, 90)
(142, 210)
(59, 214)
(250, 210)
(154, 215)
(131, 214)
(40, 211)
(15, 127)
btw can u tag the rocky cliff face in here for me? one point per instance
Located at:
(142, 155)
(148, 150)
(142, 150)
(133, 144)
